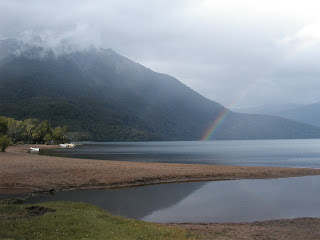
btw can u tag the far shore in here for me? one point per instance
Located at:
(32, 172)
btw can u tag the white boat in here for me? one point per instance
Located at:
(67, 145)
(34, 149)
(71, 145)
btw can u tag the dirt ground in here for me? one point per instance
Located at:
(21, 171)
(291, 229)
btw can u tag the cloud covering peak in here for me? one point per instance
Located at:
(239, 53)
(79, 38)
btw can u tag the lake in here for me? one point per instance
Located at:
(275, 153)
(220, 201)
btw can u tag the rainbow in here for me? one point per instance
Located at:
(221, 117)
(216, 123)
(223, 114)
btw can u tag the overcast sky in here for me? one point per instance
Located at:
(239, 53)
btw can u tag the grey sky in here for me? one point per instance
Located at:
(239, 53)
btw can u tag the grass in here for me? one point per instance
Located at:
(68, 220)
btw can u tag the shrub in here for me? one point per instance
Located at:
(4, 143)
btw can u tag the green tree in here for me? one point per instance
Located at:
(16, 130)
(4, 139)
(29, 131)
(45, 129)
(48, 138)
(59, 134)
(4, 142)
(32, 133)
(41, 131)
(3, 125)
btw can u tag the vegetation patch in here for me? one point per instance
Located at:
(29, 131)
(68, 220)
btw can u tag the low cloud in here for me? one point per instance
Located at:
(235, 52)
(78, 38)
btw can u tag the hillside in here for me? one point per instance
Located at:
(108, 97)
(268, 109)
(309, 114)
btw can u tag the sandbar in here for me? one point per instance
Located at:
(22, 170)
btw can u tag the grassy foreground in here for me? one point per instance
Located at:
(68, 220)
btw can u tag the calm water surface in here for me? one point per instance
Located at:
(223, 201)
(277, 153)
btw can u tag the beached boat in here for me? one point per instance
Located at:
(34, 149)
(67, 145)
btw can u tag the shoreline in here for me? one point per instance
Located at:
(22, 170)
(306, 228)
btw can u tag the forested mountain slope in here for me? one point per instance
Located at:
(111, 98)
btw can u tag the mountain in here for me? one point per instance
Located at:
(305, 113)
(309, 114)
(99, 93)
(268, 109)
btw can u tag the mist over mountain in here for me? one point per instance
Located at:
(99, 93)
(305, 113)
(309, 114)
(268, 109)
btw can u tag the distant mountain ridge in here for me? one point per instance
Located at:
(99, 93)
(309, 114)
(304, 113)
(268, 109)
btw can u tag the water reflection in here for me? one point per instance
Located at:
(245, 201)
(134, 202)
(224, 201)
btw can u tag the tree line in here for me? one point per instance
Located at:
(30, 130)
